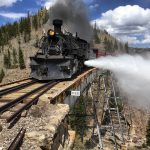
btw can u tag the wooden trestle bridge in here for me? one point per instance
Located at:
(18, 97)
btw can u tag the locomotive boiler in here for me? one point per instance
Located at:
(60, 55)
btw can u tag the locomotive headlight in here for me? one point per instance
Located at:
(51, 33)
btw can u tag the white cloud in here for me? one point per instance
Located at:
(49, 3)
(130, 39)
(128, 23)
(46, 3)
(93, 6)
(7, 3)
(146, 39)
(12, 15)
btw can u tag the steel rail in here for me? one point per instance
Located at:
(30, 103)
(16, 143)
(15, 88)
(21, 98)
(14, 82)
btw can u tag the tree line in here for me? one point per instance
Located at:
(22, 27)
(109, 44)
(13, 58)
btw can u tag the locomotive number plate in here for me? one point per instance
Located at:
(75, 93)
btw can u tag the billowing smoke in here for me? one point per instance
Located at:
(132, 74)
(74, 15)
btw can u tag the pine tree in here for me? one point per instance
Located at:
(115, 45)
(96, 37)
(108, 45)
(26, 27)
(21, 59)
(46, 16)
(37, 42)
(121, 46)
(9, 60)
(126, 47)
(2, 74)
(35, 22)
(148, 133)
(105, 43)
(5, 61)
(14, 57)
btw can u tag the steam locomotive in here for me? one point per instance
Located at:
(60, 55)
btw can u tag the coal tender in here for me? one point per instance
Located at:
(60, 55)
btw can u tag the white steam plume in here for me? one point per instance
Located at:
(132, 74)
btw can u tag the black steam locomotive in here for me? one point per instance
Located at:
(60, 55)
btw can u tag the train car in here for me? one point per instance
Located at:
(99, 53)
(60, 55)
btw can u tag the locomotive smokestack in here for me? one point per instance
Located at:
(57, 25)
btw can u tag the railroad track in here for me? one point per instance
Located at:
(17, 98)
(14, 100)
(15, 88)
(11, 83)
(16, 143)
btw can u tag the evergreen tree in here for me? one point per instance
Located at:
(21, 59)
(19, 41)
(7, 60)
(14, 57)
(110, 49)
(126, 47)
(121, 46)
(108, 45)
(105, 43)
(96, 37)
(148, 133)
(2, 74)
(21, 26)
(46, 16)
(35, 22)
(25, 28)
(115, 45)
(37, 42)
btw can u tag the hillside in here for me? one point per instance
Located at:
(24, 40)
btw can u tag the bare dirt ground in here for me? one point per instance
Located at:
(15, 75)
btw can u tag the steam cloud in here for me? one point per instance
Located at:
(74, 15)
(132, 74)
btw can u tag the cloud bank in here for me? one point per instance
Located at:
(13, 15)
(8, 3)
(128, 23)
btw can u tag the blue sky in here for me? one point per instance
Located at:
(128, 20)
